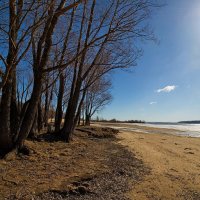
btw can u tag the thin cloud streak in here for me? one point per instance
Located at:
(153, 102)
(167, 89)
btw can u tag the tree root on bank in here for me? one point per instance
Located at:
(10, 155)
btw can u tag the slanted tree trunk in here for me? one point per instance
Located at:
(5, 136)
(48, 100)
(30, 111)
(87, 120)
(78, 114)
(83, 119)
(40, 60)
(69, 124)
(70, 117)
(34, 129)
(79, 120)
(5, 131)
(39, 117)
(14, 113)
(46, 105)
(59, 111)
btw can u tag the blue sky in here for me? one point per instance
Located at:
(175, 62)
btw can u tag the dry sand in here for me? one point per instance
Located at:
(174, 163)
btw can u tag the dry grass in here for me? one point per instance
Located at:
(55, 166)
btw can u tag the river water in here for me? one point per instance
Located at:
(191, 130)
(188, 130)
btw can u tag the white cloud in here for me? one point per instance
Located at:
(153, 102)
(168, 88)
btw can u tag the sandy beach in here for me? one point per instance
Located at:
(174, 163)
(147, 164)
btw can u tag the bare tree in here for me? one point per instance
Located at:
(42, 18)
(41, 47)
(68, 47)
(97, 97)
(105, 31)
(15, 33)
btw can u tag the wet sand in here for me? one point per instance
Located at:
(174, 163)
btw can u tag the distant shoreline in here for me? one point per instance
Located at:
(178, 129)
(190, 122)
(145, 122)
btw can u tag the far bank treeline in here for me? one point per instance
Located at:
(57, 55)
(118, 121)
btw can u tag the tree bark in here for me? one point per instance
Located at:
(78, 114)
(5, 121)
(14, 113)
(70, 115)
(87, 120)
(59, 111)
(39, 117)
(5, 136)
(46, 105)
(34, 129)
(31, 110)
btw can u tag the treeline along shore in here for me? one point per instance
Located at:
(56, 62)
(56, 58)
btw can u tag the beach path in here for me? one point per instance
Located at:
(174, 162)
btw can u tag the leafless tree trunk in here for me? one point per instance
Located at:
(91, 43)
(70, 117)
(5, 127)
(40, 58)
(59, 111)
(48, 100)
(97, 97)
